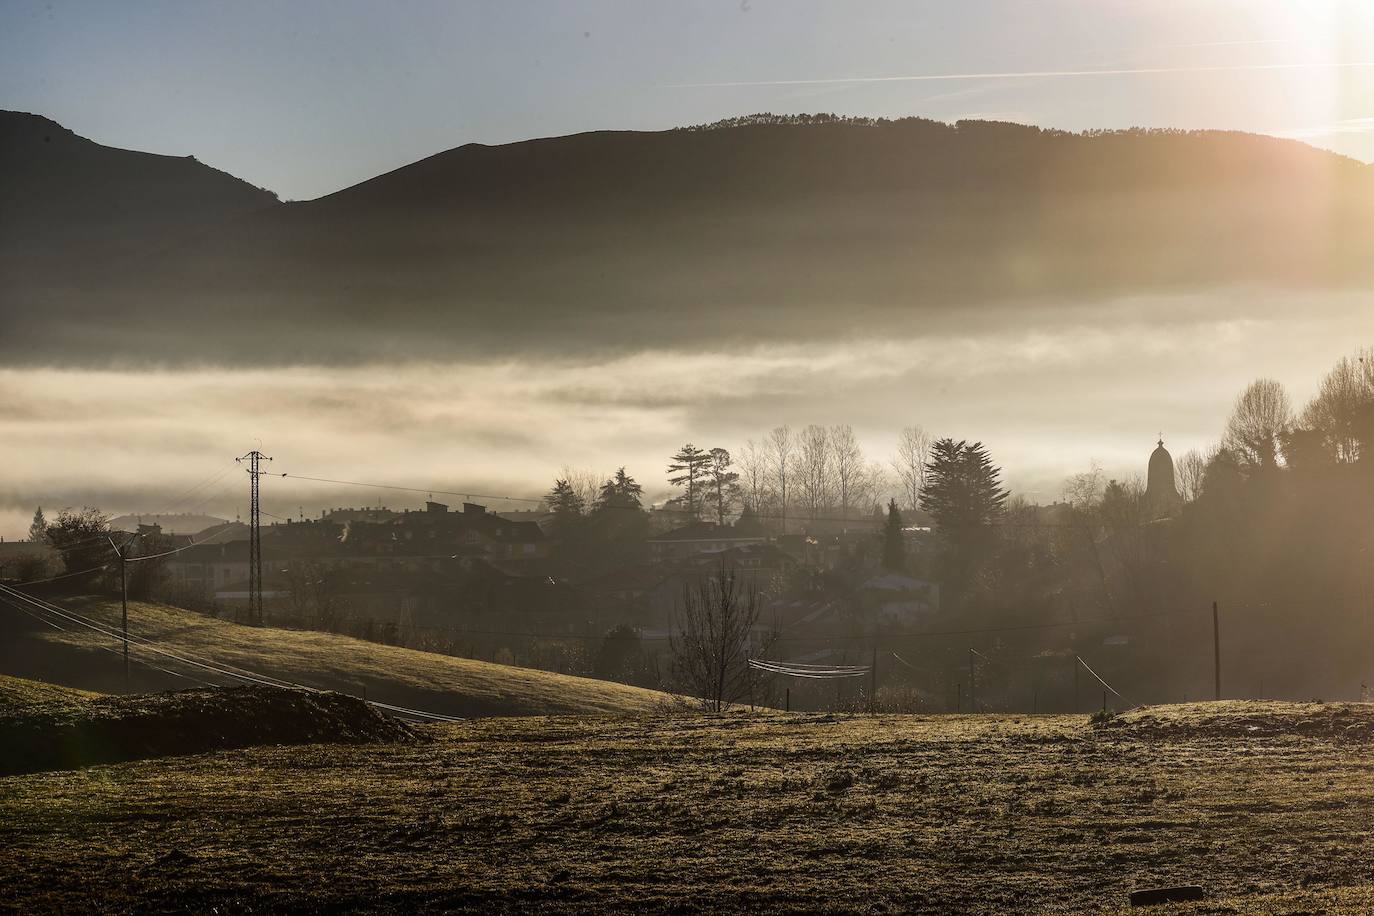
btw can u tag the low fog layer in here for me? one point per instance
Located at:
(1048, 401)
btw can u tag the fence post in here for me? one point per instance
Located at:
(1216, 646)
(749, 674)
(972, 684)
(1077, 700)
(873, 683)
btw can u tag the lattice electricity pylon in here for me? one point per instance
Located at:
(254, 459)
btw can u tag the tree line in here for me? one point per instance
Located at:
(788, 478)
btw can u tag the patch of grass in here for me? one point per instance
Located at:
(18, 691)
(405, 677)
(713, 813)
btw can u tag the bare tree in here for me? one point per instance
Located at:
(1192, 468)
(716, 638)
(314, 593)
(816, 483)
(852, 482)
(909, 464)
(297, 582)
(1083, 491)
(781, 465)
(753, 470)
(585, 483)
(1261, 417)
(1345, 398)
(1124, 512)
(877, 485)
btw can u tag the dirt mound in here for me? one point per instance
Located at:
(1246, 719)
(62, 735)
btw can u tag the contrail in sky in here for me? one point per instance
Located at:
(1024, 74)
(1233, 42)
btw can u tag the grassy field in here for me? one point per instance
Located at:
(16, 691)
(406, 677)
(1270, 807)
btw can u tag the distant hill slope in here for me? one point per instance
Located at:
(172, 523)
(781, 231)
(404, 677)
(67, 203)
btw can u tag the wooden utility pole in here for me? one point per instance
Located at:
(873, 683)
(254, 459)
(972, 685)
(123, 600)
(124, 615)
(1077, 702)
(1216, 646)
(749, 673)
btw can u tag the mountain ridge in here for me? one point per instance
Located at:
(787, 231)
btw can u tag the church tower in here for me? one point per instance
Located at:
(1162, 499)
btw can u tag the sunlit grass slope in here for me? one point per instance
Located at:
(18, 691)
(406, 677)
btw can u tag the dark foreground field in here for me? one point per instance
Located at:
(1269, 807)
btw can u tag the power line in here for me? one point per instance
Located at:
(808, 671)
(213, 478)
(224, 529)
(104, 566)
(223, 669)
(5, 599)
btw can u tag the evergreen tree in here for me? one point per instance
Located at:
(964, 495)
(566, 505)
(894, 551)
(38, 528)
(620, 492)
(690, 467)
(722, 484)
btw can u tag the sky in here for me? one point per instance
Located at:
(309, 97)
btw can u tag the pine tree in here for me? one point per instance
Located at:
(723, 484)
(894, 552)
(620, 492)
(566, 505)
(38, 528)
(964, 495)
(690, 467)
